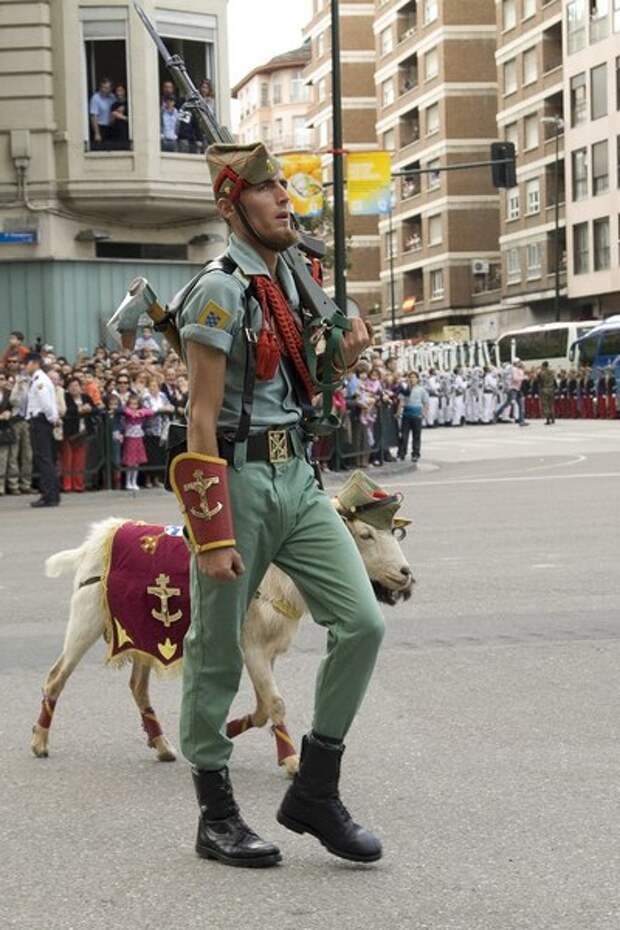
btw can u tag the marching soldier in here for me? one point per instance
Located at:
(546, 387)
(249, 500)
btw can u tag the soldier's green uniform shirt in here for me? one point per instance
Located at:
(213, 315)
(280, 516)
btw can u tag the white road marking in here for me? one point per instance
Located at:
(434, 484)
(546, 565)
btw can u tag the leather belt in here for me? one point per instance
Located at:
(275, 446)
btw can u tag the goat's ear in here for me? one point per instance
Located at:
(400, 523)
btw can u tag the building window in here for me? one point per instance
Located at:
(530, 66)
(598, 91)
(511, 134)
(431, 64)
(434, 229)
(618, 81)
(600, 168)
(388, 93)
(105, 54)
(530, 125)
(323, 134)
(581, 256)
(298, 88)
(264, 94)
(576, 23)
(616, 15)
(265, 132)
(532, 193)
(513, 265)
(437, 283)
(601, 244)
(389, 141)
(434, 177)
(277, 93)
(510, 77)
(432, 119)
(534, 259)
(431, 11)
(580, 174)
(322, 89)
(387, 41)
(320, 45)
(578, 100)
(599, 20)
(391, 245)
(529, 8)
(300, 133)
(509, 14)
(512, 203)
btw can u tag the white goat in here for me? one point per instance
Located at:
(267, 631)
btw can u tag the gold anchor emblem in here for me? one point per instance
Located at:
(164, 593)
(201, 486)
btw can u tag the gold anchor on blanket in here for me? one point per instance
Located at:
(164, 593)
(201, 486)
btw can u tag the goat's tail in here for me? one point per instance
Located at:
(62, 562)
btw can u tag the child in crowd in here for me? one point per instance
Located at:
(117, 422)
(134, 453)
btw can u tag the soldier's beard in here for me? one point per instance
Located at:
(283, 239)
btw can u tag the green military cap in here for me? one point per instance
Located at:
(235, 167)
(363, 499)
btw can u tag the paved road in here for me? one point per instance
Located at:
(487, 754)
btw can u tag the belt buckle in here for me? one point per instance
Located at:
(278, 446)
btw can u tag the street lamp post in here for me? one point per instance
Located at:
(558, 123)
(392, 288)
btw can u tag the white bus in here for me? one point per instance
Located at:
(549, 342)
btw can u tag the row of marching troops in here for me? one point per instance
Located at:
(474, 395)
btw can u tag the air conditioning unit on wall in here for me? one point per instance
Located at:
(480, 266)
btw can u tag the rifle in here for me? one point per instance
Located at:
(322, 309)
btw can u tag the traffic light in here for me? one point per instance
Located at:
(504, 164)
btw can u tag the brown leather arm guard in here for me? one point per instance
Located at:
(200, 483)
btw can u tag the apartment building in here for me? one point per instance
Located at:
(274, 101)
(436, 85)
(592, 143)
(531, 114)
(79, 218)
(359, 117)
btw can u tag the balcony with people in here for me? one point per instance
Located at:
(412, 235)
(407, 22)
(112, 104)
(409, 131)
(408, 75)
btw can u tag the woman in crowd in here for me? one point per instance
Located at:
(77, 427)
(155, 432)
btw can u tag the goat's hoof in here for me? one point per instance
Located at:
(165, 750)
(291, 765)
(38, 743)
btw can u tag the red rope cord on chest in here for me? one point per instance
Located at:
(274, 305)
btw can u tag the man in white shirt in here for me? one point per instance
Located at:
(42, 414)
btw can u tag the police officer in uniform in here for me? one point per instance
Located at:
(42, 414)
(249, 503)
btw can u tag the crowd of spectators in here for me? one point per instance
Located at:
(126, 397)
(180, 131)
(115, 408)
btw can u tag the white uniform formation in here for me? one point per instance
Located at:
(466, 395)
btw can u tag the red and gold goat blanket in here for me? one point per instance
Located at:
(146, 592)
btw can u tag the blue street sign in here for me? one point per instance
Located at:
(19, 238)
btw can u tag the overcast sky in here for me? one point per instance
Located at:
(260, 29)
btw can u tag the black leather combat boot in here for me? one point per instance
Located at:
(312, 805)
(222, 832)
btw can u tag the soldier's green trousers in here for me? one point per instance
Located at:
(281, 516)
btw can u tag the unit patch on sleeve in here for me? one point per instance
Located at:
(214, 316)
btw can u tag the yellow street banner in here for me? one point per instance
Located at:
(304, 174)
(369, 183)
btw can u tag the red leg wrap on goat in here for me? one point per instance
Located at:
(284, 743)
(47, 712)
(150, 724)
(236, 727)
